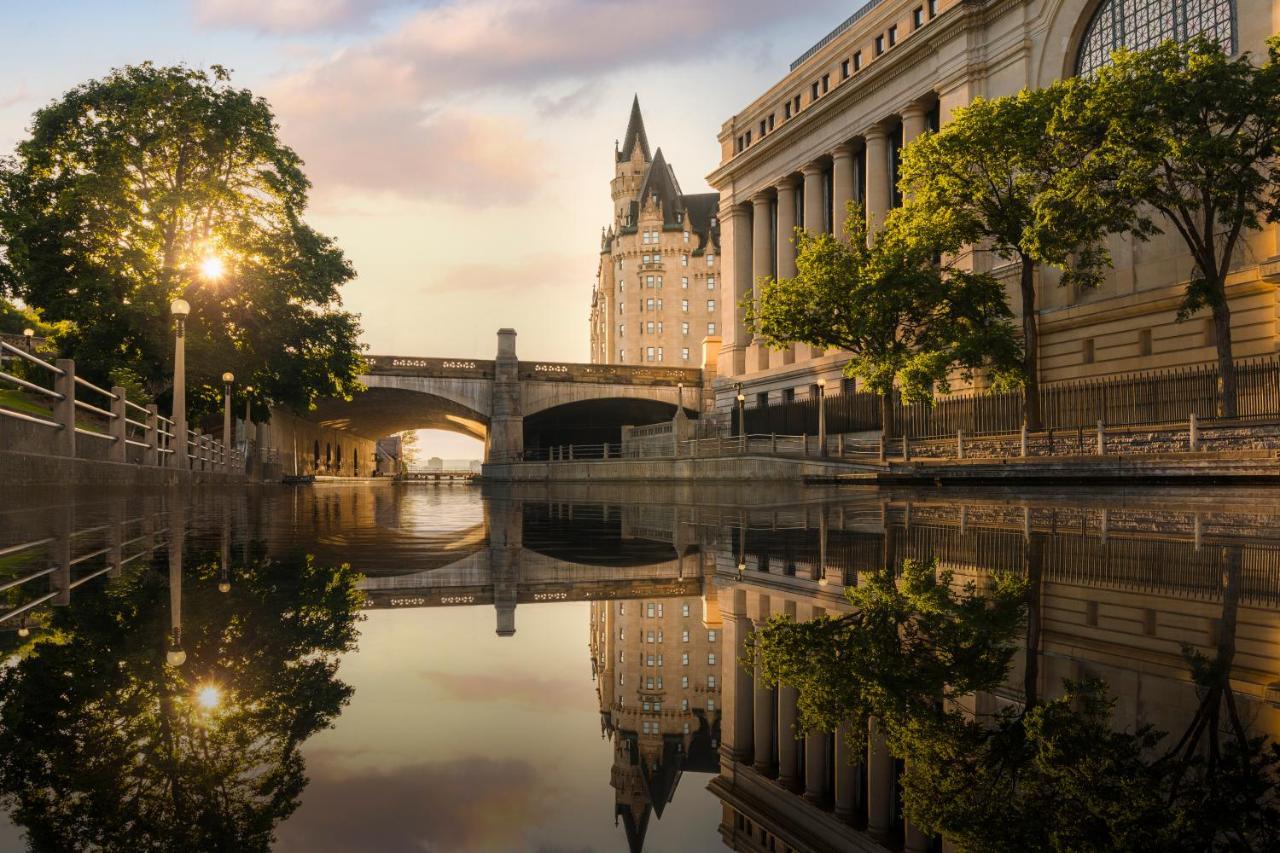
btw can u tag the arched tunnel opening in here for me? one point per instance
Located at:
(592, 421)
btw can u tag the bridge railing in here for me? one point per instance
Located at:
(53, 397)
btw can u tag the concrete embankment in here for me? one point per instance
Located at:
(1256, 466)
(1246, 466)
(22, 470)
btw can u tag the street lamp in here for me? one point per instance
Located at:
(180, 308)
(742, 417)
(28, 336)
(822, 416)
(227, 379)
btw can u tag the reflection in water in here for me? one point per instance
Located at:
(993, 667)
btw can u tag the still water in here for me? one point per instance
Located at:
(433, 668)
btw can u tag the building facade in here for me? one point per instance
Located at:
(830, 132)
(657, 296)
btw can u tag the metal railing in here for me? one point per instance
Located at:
(59, 557)
(112, 418)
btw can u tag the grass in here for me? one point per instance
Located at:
(18, 401)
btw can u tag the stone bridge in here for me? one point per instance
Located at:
(512, 404)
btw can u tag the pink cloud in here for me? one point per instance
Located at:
(287, 16)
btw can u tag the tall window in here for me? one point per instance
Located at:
(1140, 24)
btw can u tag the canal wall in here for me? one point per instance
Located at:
(728, 468)
(25, 470)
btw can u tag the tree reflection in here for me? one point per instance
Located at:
(1050, 774)
(105, 746)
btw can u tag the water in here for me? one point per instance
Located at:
(408, 668)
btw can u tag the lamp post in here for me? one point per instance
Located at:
(822, 416)
(180, 308)
(742, 418)
(227, 443)
(28, 336)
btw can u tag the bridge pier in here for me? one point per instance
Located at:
(506, 422)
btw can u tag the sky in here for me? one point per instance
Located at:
(460, 152)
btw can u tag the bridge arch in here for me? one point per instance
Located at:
(386, 408)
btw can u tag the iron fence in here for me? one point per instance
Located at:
(1153, 397)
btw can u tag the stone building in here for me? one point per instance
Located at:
(657, 664)
(830, 131)
(657, 296)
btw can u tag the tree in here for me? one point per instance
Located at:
(975, 184)
(913, 639)
(104, 746)
(907, 320)
(1195, 135)
(155, 183)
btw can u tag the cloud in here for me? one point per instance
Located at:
(528, 690)
(412, 111)
(467, 804)
(288, 16)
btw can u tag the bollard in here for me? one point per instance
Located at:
(1194, 430)
(119, 426)
(64, 410)
(1102, 440)
(1024, 441)
(151, 456)
(959, 444)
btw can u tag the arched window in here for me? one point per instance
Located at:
(1140, 24)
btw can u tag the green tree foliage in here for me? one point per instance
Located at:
(1048, 775)
(127, 186)
(975, 185)
(103, 746)
(1195, 135)
(911, 641)
(906, 320)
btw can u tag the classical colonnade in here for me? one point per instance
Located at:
(760, 732)
(759, 238)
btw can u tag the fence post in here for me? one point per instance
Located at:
(1194, 428)
(1024, 440)
(119, 426)
(883, 452)
(64, 410)
(1102, 440)
(151, 456)
(571, 453)
(906, 447)
(773, 443)
(959, 444)
(804, 438)
(840, 444)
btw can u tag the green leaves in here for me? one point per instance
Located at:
(127, 185)
(906, 320)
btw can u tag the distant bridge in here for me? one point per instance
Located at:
(511, 404)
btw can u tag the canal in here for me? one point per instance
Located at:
(444, 668)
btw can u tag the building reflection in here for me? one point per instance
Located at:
(1119, 591)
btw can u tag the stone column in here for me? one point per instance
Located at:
(787, 242)
(735, 251)
(877, 158)
(815, 766)
(814, 198)
(846, 777)
(879, 782)
(504, 523)
(787, 753)
(765, 702)
(814, 210)
(761, 265)
(737, 730)
(506, 422)
(841, 186)
(913, 122)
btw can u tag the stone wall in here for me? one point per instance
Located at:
(22, 470)
(290, 444)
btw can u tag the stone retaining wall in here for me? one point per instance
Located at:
(21, 470)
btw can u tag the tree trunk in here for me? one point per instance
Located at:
(886, 414)
(1226, 364)
(1031, 664)
(1030, 346)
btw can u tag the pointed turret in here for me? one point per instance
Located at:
(635, 134)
